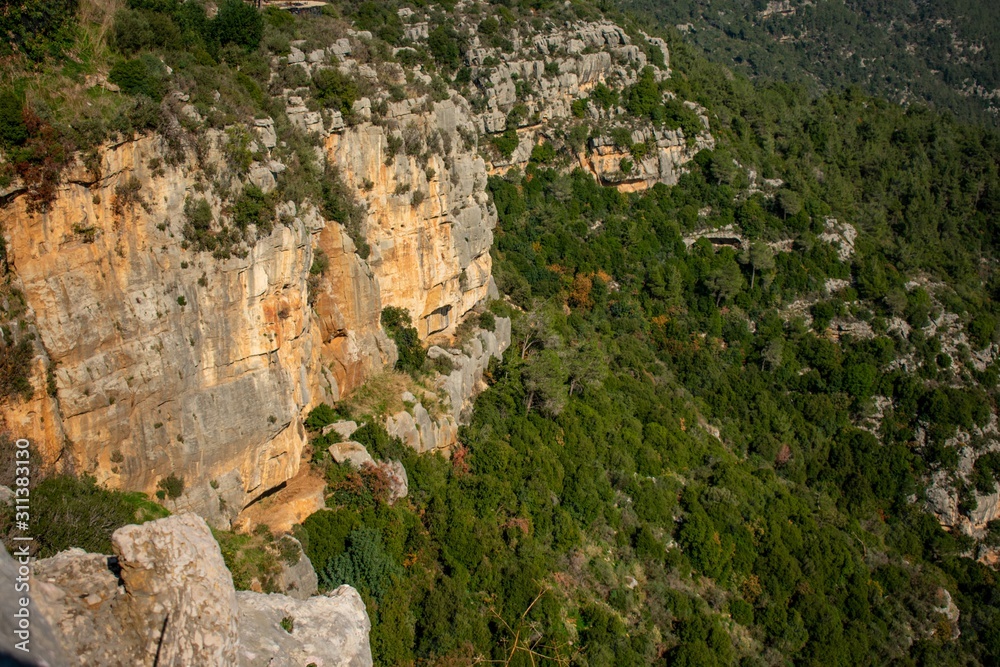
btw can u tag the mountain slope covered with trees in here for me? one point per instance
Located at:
(694, 452)
(930, 52)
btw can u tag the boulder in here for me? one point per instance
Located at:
(398, 481)
(265, 132)
(351, 451)
(261, 176)
(297, 579)
(167, 599)
(343, 428)
(279, 631)
(44, 648)
(180, 596)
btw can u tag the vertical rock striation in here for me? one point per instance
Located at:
(154, 359)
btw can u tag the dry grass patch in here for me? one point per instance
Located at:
(382, 395)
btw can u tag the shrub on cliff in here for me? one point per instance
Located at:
(379, 443)
(12, 129)
(68, 512)
(334, 90)
(15, 368)
(140, 76)
(170, 486)
(320, 416)
(326, 534)
(446, 46)
(253, 207)
(252, 559)
(134, 31)
(506, 143)
(340, 204)
(642, 98)
(35, 28)
(397, 323)
(381, 20)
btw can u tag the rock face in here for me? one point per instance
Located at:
(156, 359)
(165, 360)
(424, 433)
(562, 67)
(166, 598)
(664, 164)
(299, 579)
(430, 222)
(176, 605)
(43, 648)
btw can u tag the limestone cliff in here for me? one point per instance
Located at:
(154, 357)
(429, 219)
(167, 361)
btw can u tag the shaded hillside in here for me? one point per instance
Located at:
(939, 53)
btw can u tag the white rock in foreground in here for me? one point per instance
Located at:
(329, 630)
(167, 599)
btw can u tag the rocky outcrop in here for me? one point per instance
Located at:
(176, 604)
(297, 579)
(358, 457)
(424, 433)
(166, 598)
(279, 631)
(663, 164)
(36, 645)
(155, 359)
(347, 307)
(298, 498)
(164, 360)
(559, 68)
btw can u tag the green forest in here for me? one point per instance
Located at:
(674, 464)
(941, 52)
(591, 518)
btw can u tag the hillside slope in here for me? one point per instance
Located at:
(939, 53)
(687, 368)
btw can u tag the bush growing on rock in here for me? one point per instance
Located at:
(15, 368)
(170, 486)
(36, 29)
(340, 204)
(253, 559)
(67, 512)
(399, 327)
(253, 207)
(334, 90)
(507, 142)
(364, 564)
(381, 20)
(379, 443)
(322, 415)
(12, 129)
